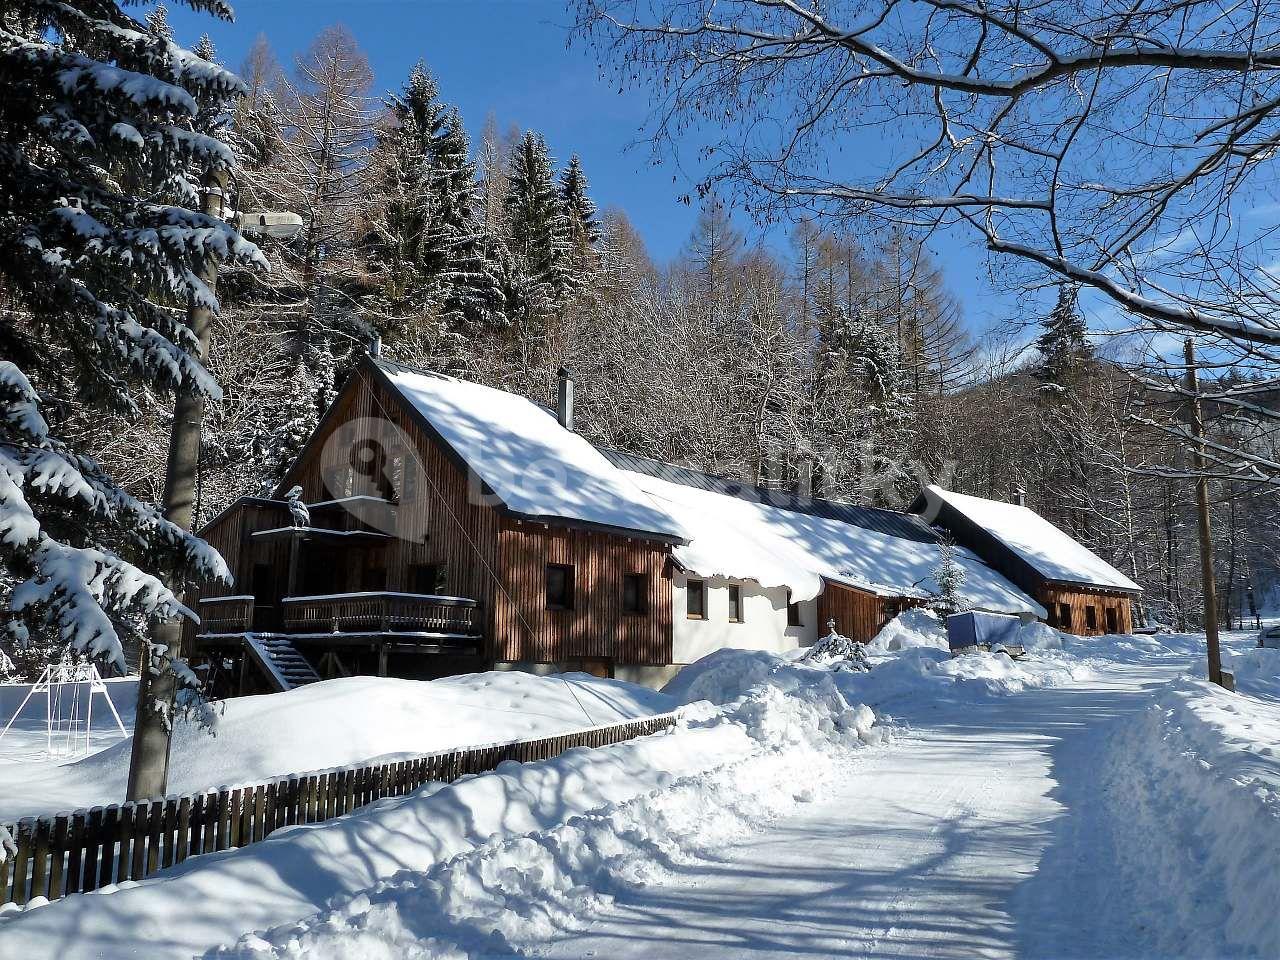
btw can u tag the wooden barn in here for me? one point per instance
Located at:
(433, 526)
(1081, 592)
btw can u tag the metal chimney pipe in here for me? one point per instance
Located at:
(1020, 496)
(564, 399)
(375, 346)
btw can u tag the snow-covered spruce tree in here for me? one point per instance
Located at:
(949, 577)
(100, 247)
(538, 239)
(581, 222)
(1064, 345)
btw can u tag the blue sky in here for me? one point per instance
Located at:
(511, 57)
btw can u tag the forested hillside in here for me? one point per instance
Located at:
(839, 365)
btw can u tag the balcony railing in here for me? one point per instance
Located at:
(226, 614)
(381, 612)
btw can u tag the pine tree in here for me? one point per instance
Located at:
(100, 242)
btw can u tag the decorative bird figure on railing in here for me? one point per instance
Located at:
(298, 511)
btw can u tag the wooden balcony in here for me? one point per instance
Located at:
(381, 612)
(226, 614)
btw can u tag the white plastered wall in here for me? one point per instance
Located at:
(764, 616)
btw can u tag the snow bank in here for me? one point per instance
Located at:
(1196, 781)
(336, 723)
(917, 627)
(1257, 671)
(485, 862)
(910, 658)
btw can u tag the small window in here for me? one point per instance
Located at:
(1091, 617)
(1113, 620)
(635, 593)
(695, 600)
(1064, 616)
(735, 603)
(559, 586)
(793, 613)
(427, 578)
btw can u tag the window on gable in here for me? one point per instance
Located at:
(735, 603)
(559, 586)
(695, 600)
(635, 593)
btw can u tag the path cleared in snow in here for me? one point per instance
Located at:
(977, 832)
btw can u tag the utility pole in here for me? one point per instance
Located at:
(153, 723)
(1210, 586)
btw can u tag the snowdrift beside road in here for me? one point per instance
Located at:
(909, 657)
(1196, 781)
(337, 723)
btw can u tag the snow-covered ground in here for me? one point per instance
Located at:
(317, 727)
(1092, 800)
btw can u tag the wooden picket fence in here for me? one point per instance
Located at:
(82, 851)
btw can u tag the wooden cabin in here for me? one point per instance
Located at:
(438, 526)
(1081, 592)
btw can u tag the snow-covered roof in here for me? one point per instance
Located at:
(536, 467)
(1052, 553)
(751, 539)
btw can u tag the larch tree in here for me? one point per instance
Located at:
(101, 244)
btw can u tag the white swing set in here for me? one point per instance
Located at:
(67, 731)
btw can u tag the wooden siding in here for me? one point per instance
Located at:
(1078, 600)
(524, 629)
(858, 615)
(489, 557)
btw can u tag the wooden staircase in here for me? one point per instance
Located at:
(279, 660)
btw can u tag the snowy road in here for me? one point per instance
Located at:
(978, 832)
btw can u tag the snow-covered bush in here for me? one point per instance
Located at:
(837, 652)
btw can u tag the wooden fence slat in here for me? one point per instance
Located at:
(223, 838)
(167, 835)
(212, 817)
(182, 835)
(92, 849)
(21, 881)
(75, 850)
(58, 854)
(156, 824)
(110, 836)
(138, 855)
(124, 841)
(40, 859)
